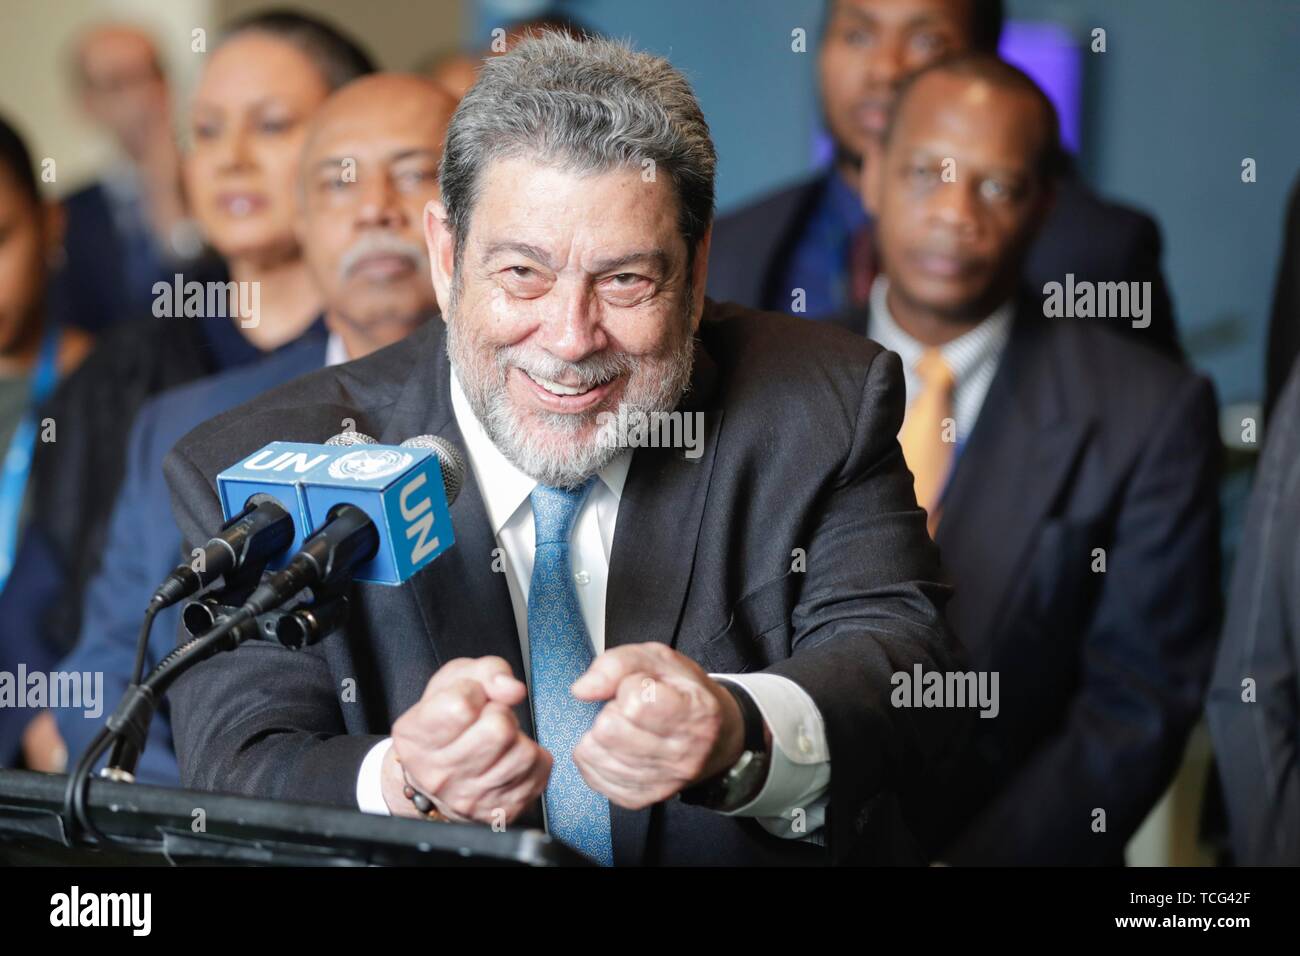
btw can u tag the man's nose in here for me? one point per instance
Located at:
(378, 203)
(886, 64)
(572, 329)
(955, 206)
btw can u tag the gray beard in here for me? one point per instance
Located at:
(554, 458)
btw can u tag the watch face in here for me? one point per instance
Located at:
(746, 778)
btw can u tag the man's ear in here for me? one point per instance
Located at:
(439, 242)
(700, 276)
(872, 176)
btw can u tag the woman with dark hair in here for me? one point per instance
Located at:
(259, 87)
(34, 352)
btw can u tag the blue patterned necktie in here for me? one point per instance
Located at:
(559, 651)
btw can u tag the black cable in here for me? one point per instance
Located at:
(75, 812)
(75, 816)
(142, 642)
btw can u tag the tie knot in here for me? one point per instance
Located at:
(934, 371)
(556, 509)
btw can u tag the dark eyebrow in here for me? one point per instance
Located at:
(657, 256)
(422, 152)
(397, 157)
(522, 248)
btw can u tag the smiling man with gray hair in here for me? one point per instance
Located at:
(661, 657)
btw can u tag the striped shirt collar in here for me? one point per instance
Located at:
(973, 356)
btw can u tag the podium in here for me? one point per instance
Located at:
(156, 826)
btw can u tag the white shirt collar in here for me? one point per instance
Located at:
(964, 354)
(503, 486)
(336, 353)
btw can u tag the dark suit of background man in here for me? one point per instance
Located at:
(815, 236)
(1253, 707)
(1284, 322)
(1071, 475)
(571, 287)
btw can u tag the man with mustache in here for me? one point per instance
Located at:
(662, 658)
(816, 238)
(1071, 480)
(369, 167)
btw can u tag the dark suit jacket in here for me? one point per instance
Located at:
(92, 288)
(1096, 240)
(1084, 441)
(78, 476)
(143, 545)
(1257, 741)
(799, 452)
(89, 289)
(1284, 323)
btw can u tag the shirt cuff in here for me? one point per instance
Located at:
(792, 802)
(370, 782)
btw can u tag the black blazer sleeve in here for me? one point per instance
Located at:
(870, 608)
(1146, 657)
(1257, 735)
(262, 720)
(1284, 323)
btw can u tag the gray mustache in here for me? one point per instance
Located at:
(590, 372)
(379, 244)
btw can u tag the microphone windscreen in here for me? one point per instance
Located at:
(344, 439)
(449, 458)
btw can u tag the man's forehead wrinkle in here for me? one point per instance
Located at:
(336, 155)
(657, 256)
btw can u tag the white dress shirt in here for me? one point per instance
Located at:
(973, 356)
(336, 353)
(792, 803)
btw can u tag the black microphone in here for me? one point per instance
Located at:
(251, 538)
(327, 560)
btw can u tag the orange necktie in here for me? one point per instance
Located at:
(927, 423)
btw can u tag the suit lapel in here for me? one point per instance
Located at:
(465, 607)
(650, 564)
(1023, 447)
(462, 601)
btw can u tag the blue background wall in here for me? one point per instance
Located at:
(1185, 91)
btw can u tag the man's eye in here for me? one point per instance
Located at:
(626, 278)
(929, 43)
(521, 272)
(995, 189)
(415, 180)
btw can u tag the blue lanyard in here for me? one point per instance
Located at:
(18, 460)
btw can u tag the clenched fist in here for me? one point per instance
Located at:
(667, 726)
(461, 746)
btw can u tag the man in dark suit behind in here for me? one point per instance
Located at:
(1283, 343)
(815, 237)
(1070, 475)
(129, 228)
(1253, 706)
(665, 644)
